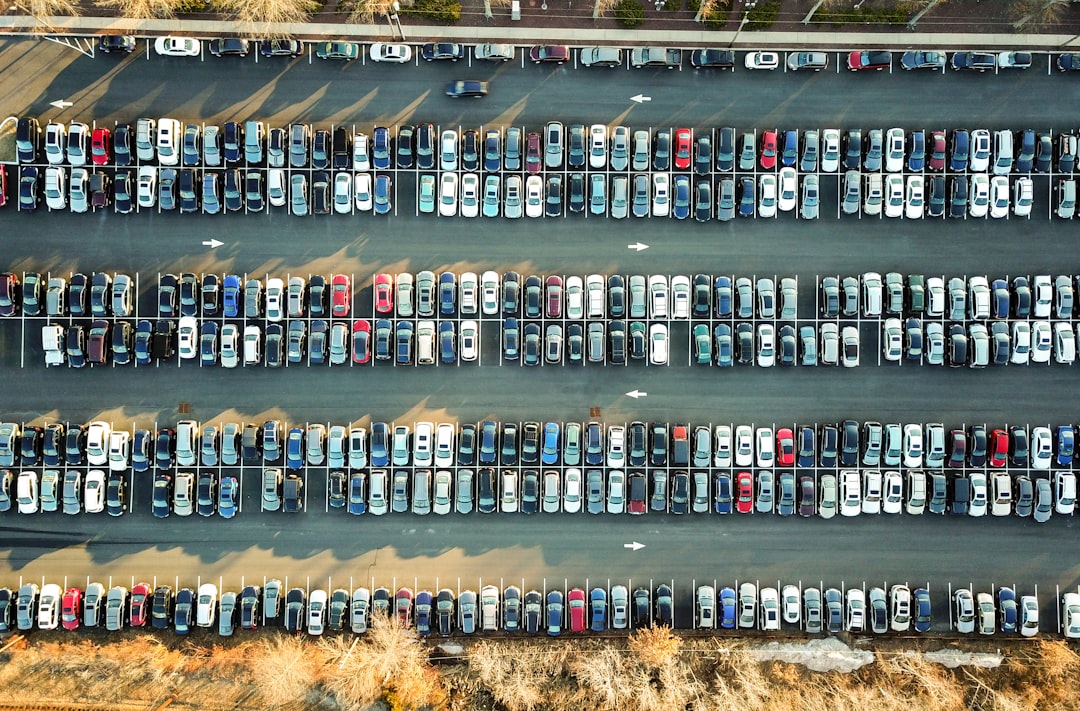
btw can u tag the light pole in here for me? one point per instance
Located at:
(742, 24)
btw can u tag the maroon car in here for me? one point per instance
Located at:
(533, 158)
(937, 151)
(557, 53)
(554, 296)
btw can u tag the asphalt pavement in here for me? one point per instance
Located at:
(315, 543)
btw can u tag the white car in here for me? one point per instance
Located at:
(55, 188)
(658, 344)
(1021, 343)
(94, 491)
(574, 296)
(789, 190)
(722, 446)
(146, 188)
(892, 494)
(871, 499)
(894, 195)
(534, 196)
(489, 293)
(572, 491)
(661, 202)
(49, 607)
(980, 151)
(767, 196)
(1041, 341)
(448, 192)
(855, 621)
(393, 53)
(769, 619)
(964, 611)
(275, 305)
(913, 446)
(1070, 615)
(1043, 291)
(441, 500)
(598, 141)
(892, 339)
(448, 149)
(1023, 197)
(766, 447)
(979, 495)
(470, 195)
(362, 192)
(360, 157)
(999, 197)
(894, 150)
(830, 150)
(850, 493)
(1000, 494)
(616, 500)
(900, 605)
(119, 444)
(187, 337)
(762, 60)
(1029, 616)
(494, 52)
(680, 297)
(1064, 493)
(275, 187)
(792, 607)
(915, 201)
(979, 198)
(658, 295)
(766, 354)
(595, 304)
(1064, 343)
(1042, 447)
(343, 193)
(177, 46)
(744, 446)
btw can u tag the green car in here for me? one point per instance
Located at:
(337, 50)
(427, 193)
(702, 344)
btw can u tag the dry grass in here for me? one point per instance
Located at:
(1038, 15)
(365, 11)
(653, 670)
(256, 17)
(42, 10)
(160, 9)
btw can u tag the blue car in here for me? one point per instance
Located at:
(380, 451)
(382, 195)
(791, 148)
(681, 208)
(727, 609)
(358, 494)
(380, 148)
(923, 614)
(447, 293)
(722, 493)
(488, 430)
(447, 340)
(231, 294)
(492, 151)
(1064, 445)
(554, 613)
(144, 336)
(916, 151)
(294, 449)
(423, 613)
(598, 606)
(227, 497)
(550, 452)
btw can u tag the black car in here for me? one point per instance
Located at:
(78, 295)
(466, 88)
(295, 601)
(553, 201)
(320, 193)
(485, 500)
(974, 61)
(116, 43)
(470, 150)
(229, 46)
(849, 447)
(189, 197)
(341, 149)
(161, 609)
(183, 611)
(234, 201)
(211, 294)
(680, 493)
(659, 444)
(830, 439)
(281, 48)
(577, 192)
(533, 612)
(75, 445)
(958, 196)
(52, 448)
(249, 607)
(30, 445)
(206, 494)
(530, 492)
(122, 144)
(716, 58)
(442, 51)
(28, 189)
(664, 606)
(164, 448)
(116, 494)
(162, 495)
(233, 142)
(404, 147)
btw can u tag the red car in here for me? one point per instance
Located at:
(557, 53)
(341, 295)
(403, 607)
(785, 448)
(745, 484)
(361, 341)
(768, 150)
(100, 144)
(3, 186)
(141, 597)
(71, 609)
(532, 153)
(576, 599)
(999, 448)
(637, 488)
(683, 141)
(937, 151)
(384, 293)
(554, 297)
(874, 60)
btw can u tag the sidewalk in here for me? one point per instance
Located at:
(14, 24)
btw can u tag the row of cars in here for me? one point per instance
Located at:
(846, 445)
(896, 609)
(557, 148)
(978, 345)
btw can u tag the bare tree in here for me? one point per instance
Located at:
(285, 670)
(488, 4)
(364, 11)
(707, 6)
(1031, 14)
(256, 16)
(924, 6)
(817, 6)
(42, 10)
(161, 9)
(603, 7)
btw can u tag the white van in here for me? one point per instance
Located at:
(52, 342)
(168, 141)
(27, 492)
(186, 433)
(1066, 194)
(1003, 152)
(252, 345)
(425, 342)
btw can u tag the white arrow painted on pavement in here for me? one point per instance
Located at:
(634, 546)
(211, 243)
(639, 246)
(636, 394)
(639, 98)
(60, 104)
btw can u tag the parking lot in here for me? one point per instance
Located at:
(393, 549)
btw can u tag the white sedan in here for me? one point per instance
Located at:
(448, 195)
(999, 197)
(187, 336)
(362, 192)
(470, 195)
(762, 60)
(894, 195)
(534, 196)
(661, 200)
(915, 201)
(177, 46)
(680, 297)
(892, 339)
(147, 186)
(658, 345)
(788, 190)
(470, 335)
(94, 491)
(767, 196)
(343, 193)
(393, 53)
(979, 200)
